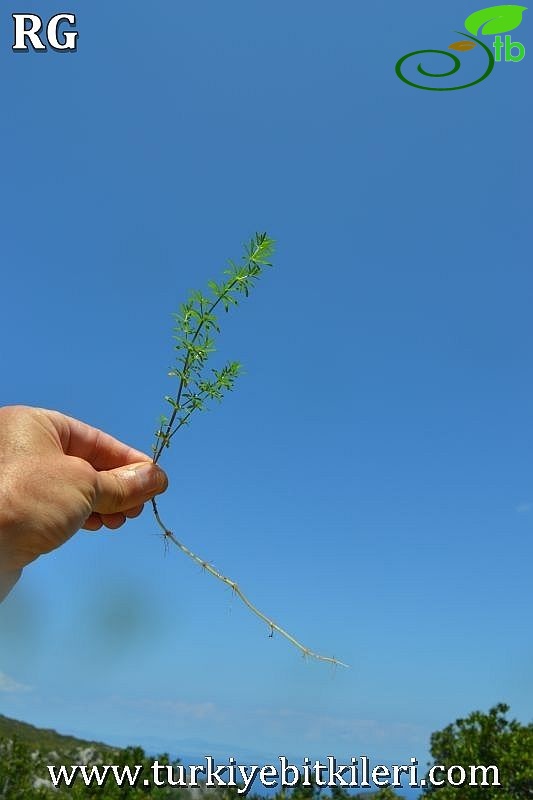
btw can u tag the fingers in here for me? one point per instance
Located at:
(112, 521)
(134, 512)
(128, 488)
(101, 450)
(93, 523)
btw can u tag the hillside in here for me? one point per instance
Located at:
(46, 740)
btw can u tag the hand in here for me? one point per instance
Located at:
(59, 475)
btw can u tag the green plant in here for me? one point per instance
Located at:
(18, 766)
(195, 329)
(490, 740)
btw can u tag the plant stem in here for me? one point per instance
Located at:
(169, 433)
(192, 362)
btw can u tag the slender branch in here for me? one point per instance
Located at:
(183, 421)
(166, 436)
(169, 424)
(238, 591)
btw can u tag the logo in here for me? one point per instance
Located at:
(31, 30)
(491, 21)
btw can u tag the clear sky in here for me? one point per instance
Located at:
(370, 481)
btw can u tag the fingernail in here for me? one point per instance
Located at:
(149, 477)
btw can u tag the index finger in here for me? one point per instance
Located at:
(101, 450)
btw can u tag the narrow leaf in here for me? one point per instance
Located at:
(463, 45)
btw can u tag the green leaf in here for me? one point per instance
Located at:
(496, 19)
(193, 331)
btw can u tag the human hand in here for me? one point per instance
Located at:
(59, 475)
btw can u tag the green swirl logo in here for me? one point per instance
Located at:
(487, 21)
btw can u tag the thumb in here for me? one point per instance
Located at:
(126, 487)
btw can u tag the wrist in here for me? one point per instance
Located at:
(12, 524)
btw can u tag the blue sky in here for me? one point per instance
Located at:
(370, 481)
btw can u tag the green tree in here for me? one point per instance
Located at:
(18, 769)
(386, 793)
(488, 740)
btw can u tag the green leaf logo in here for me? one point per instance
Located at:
(496, 19)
